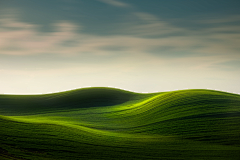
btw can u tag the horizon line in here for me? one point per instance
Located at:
(38, 93)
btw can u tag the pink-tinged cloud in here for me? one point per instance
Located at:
(19, 38)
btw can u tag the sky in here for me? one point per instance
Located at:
(138, 45)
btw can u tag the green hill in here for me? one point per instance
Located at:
(107, 123)
(75, 99)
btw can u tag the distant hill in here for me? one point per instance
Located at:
(74, 99)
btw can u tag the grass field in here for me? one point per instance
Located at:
(108, 123)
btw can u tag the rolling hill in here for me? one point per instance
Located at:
(108, 123)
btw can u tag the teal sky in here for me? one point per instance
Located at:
(139, 45)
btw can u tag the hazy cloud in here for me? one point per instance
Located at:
(217, 20)
(21, 38)
(115, 3)
(147, 25)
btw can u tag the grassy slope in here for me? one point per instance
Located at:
(109, 123)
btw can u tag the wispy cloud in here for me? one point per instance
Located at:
(223, 19)
(147, 25)
(115, 3)
(21, 38)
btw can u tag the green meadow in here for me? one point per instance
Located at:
(109, 123)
